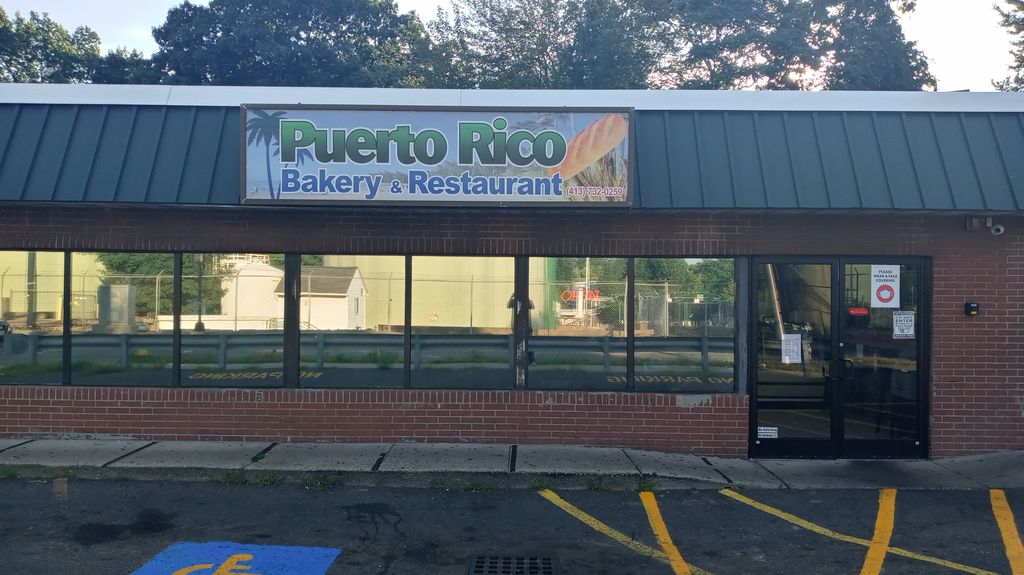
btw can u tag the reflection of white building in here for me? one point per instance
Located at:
(249, 301)
(331, 298)
(249, 298)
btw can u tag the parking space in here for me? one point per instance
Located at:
(125, 527)
(946, 531)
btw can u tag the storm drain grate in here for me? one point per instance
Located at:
(508, 565)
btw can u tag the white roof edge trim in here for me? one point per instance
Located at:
(230, 96)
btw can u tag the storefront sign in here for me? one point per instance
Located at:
(903, 325)
(372, 156)
(885, 286)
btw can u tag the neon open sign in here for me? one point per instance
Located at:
(584, 294)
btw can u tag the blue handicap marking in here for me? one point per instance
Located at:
(226, 558)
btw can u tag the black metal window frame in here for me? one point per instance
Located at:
(521, 323)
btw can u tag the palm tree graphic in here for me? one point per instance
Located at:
(263, 130)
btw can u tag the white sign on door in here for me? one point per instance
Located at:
(791, 348)
(903, 325)
(885, 286)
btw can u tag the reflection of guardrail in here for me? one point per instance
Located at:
(16, 344)
(30, 345)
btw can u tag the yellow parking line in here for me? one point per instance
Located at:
(675, 559)
(883, 533)
(596, 525)
(607, 531)
(1008, 529)
(794, 519)
(850, 539)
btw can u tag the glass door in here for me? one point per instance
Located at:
(794, 392)
(879, 343)
(837, 350)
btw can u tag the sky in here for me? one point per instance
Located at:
(965, 45)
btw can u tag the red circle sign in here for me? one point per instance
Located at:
(885, 293)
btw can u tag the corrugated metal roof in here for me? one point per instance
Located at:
(124, 154)
(966, 161)
(831, 160)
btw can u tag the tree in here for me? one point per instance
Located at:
(735, 44)
(448, 60)
(610, 46)
(542, 44)
(1012, 18)
(269, 43)
(38, 49)
(689, 44)
(123, 67)
(866, 50)
(717, 279)
(277, 260)
(142, 269)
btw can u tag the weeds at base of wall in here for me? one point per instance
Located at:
(321, 482)
(234, 478)
(8, 473)
(266, 479)
(473, 487)
(646, 483)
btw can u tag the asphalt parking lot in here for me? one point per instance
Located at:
(70, 526)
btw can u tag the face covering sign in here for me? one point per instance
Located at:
(885, 286)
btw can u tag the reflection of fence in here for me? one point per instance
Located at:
(663, 316)
(22, 294)
(120, 348)
(473, 301)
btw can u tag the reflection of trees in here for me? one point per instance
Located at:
(142, 270)
(714, 279)
(656, 279)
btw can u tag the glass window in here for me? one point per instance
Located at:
(232, 320)
(117, 302)
(685, 325)
(31, 319)
(577, 321)
(462, 322)
(352, 321)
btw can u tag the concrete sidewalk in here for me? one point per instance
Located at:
(487, 465)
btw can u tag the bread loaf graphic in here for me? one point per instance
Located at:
(591, 144)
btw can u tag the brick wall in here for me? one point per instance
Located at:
(709, 425)
(978, 362)
(977, 377)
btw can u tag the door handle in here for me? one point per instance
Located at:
(833, 370)
(840, 369)
(848, 366)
